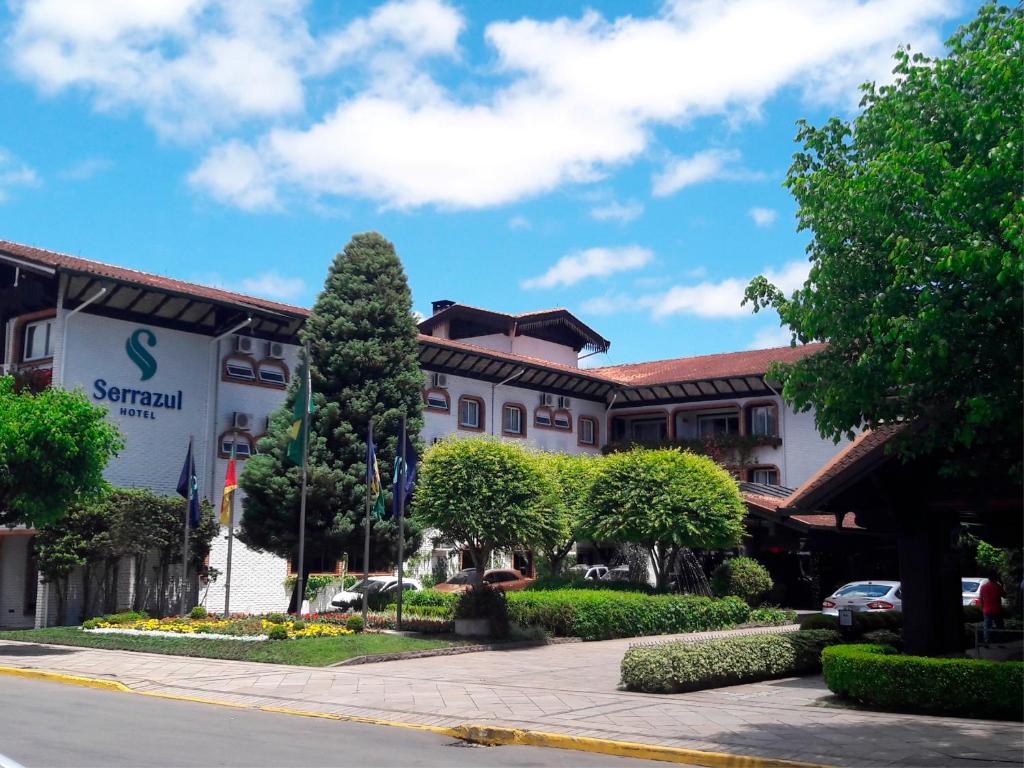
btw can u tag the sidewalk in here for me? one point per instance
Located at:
(567, 689)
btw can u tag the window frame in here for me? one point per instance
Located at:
(278, 365)
(48, 323)
(593, 432)
(550, 416)
(764, 468)
(728, 416)
(480, 414)
(773, 422)
(235, 436)
(437, 391)
(564, 414)
(242, 359)
(521, 409)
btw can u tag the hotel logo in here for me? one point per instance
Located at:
(138, 354)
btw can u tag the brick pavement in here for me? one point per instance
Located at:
(570, 689)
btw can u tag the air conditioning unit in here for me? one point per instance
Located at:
(546, 399)
(564, 402)
(438, 380)
(242, 421)
(244, 344)
(275, 349)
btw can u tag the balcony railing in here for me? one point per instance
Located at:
(726, 449)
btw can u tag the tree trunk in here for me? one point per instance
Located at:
(662, 559)
(86, 591)
(930, 580)
(138, 599)
(480, 557)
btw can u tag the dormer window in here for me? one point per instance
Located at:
(38, 340)
(273, 372)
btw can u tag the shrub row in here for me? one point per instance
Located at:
(549, 583)
(867, 621)
(602, 614)
(876, 675)
(772, 616)
(689, 666)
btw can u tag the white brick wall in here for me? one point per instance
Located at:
(13, 550)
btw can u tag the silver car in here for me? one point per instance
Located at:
(861, 596)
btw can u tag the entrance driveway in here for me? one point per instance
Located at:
(569, 689)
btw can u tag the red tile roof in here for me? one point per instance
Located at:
(536, 362)
(828, 521)
(63, 261)
(729, 364)
(867, 448)
(773, 503)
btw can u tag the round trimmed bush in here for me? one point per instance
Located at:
(277, 632)
(355, 623)
(199, 612)
(743, 577)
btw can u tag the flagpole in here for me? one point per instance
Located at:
(302, 503)
(366, 531)
(184, 541)
(401, 526)
(231, 538)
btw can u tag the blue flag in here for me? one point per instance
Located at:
(188, 487)
(411, 465)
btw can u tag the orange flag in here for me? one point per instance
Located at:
(230, 484)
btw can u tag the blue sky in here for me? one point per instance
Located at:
(623, 160)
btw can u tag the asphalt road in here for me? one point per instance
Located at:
(51, 724)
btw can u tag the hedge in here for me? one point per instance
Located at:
(549, 583)
(878, 676)
(676, 667)
(772, 616)
(602, 614)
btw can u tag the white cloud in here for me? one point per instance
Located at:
(592, 262)
(233, 173)
(763, 217)
(766, 338)
(707, 299)
(274, 285)
(85, 169)
(709, 165)
(616, 211)
(519, 222)
(567, 100)
(14, 173)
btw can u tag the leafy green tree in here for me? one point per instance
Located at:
(665, 500)
(484, 494)
(364, 364)
(917, 229)
(54, 445)
(743, 577)
(571, 478)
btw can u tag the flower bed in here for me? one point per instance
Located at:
(231, 628)
(878, 676)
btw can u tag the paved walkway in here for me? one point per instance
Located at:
(569, 689)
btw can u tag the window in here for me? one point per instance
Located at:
(512, 420)
(437, 400)
(563, 420)
(243, 444)
(470, 413)
(717, 424)
(543, 417)
(38, 340)
(762, 420)
(765, 476)
(588, 431)
(239, 368)
(272, 372)
(647, 430)
(324, 564)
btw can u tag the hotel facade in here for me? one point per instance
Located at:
(173, 361)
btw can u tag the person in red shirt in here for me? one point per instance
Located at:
(992, 604)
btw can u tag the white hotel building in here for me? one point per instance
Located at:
(172, 360)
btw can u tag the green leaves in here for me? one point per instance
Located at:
(915, 214)
(54, 446)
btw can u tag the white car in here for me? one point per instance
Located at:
(971, 586)
(588, 572)
(864, 596)
(375, 585)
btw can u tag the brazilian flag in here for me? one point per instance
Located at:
(373, 486)
(303, 400)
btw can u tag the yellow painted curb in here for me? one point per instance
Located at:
(475, 733)
(486, 734)
(60, 677)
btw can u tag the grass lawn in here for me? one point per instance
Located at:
(306, 651)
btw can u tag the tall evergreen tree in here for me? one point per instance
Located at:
(364, 363)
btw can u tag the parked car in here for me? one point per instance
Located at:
(618, 573)
(588, 572)
(378, 588)
(861, 596)
(971, 586)
(507, 579)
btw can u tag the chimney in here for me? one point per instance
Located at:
(442, 304)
